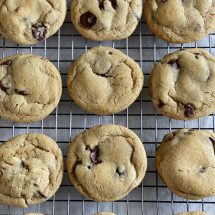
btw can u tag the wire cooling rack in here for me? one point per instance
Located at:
(151, 197)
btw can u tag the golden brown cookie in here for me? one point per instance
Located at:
(106, 19)
(106, 162)
(31, 170)
(185, 161)
(104, 81)
(30, 21)
(182, 84)
(179, 21)
(30, 88)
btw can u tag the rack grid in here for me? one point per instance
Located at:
(151, 197)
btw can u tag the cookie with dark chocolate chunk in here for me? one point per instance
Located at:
(31, 21)
(182, 84)
(105, 163)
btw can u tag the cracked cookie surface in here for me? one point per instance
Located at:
(31, 170)
(106, 162)
(104, 81)
(106, 19)
(180, 21)
(185, 161)
(30, 21)
(182, 84)
(193, 213)
(30, 88)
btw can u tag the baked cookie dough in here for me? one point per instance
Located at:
(105, 213)
(106, 162)
(185, 162)
(106, 19)
(104, 81)
(179, 21)
(193, 213)
(30, 21)
(182, 84)
(34, 214)
(31, 170)
(30, 88)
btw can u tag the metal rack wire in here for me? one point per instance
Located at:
(151, 197)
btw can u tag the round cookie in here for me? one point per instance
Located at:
(193, 213)
(30, 88)
(179, 21)
(185, 162)
(34, 214)
(182, 84)
(104, 81)
(105, 213)
(106, 162)
(30, 21)
(106, 19)
(31, 170)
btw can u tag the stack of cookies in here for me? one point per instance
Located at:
(106, 162)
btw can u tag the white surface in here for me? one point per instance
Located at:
(150, 198)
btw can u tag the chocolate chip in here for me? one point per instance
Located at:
(163, 1)
(120, 172)
(39, 31)
(202, 170)
(161, 104)
(113, 4)
(110, 53)
(189, 110)
(88, 19)
(6, 63)
(212, 140)
(94, 154)
(174, 63)
(36, 185)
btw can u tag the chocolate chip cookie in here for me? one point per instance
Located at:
(104, 81)
(30, 21)
(185, 162)
(30, 88)
(106, 19)
(180, 21)
(106, 162)
(105, 213)
(192, 213)
(31, 170)
(34, 214)
(182, 84)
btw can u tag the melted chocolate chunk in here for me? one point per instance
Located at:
(113, 4)
(6, 63)
(189, 110)
(94, 154)
(110, 53)
(39, 31)
(88, 19)
(120, 173)
(174, 63)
